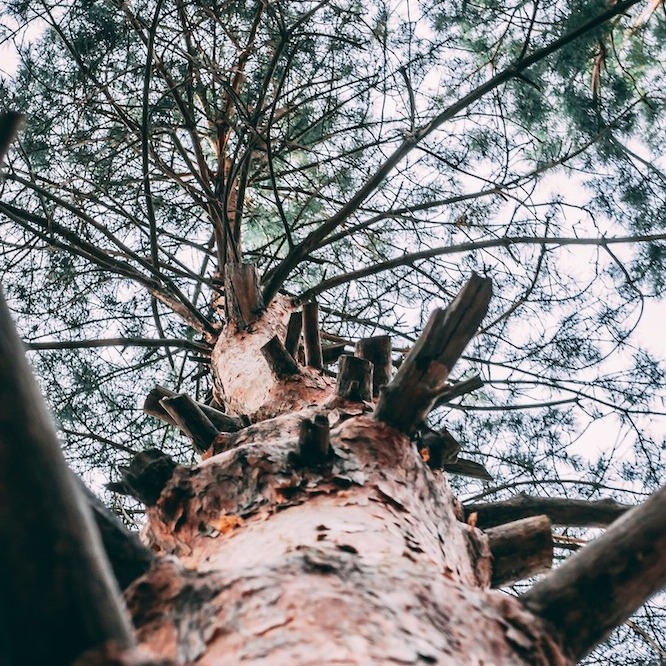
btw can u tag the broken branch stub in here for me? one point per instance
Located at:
(311, 336)
(314, 440)
(293, 336)
(280, 361)
(600, 586)
(377, 350)
(354, 380)
(223, 422)
(191, 420)
(243, 300)
(560, 510)
(54, 575)
(520, 549)
(406, 401)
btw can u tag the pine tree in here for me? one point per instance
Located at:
(210, 179)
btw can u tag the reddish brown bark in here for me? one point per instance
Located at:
(361, 561)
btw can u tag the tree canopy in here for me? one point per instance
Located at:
(369, 155)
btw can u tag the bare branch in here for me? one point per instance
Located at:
(118, 342)
(560, 510)
(600, 586)
(406, 401)
(274, 280)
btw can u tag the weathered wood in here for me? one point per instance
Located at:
(354, 380)
(54, 576)
(377, 350)
(128, 557)
(332, 353)
(464, 467)
(293, 337)
(520, 549)
(602, 584)
(560, 510)
(457, 389)
(438, 447)
(314, 441)
(311, 336)
(406, 401)
(191, 420)
(223, 422)
(280, 361)
(145, 477)
(243, 300)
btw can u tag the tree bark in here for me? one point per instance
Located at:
(354, 378)
(311, 336)
(361, 561)
(520, 549)
(377, 350)
(244, 303)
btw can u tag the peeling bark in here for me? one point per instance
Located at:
(362, 562)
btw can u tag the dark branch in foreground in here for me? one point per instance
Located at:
(10, 122)
(600, 586)
(560, 510)
(128, 557)
(53, 571)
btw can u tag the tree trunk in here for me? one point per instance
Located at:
(353, 553)
(316, 534)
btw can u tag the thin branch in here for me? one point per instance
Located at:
(119, 342)
(505, 242)
(276, 278)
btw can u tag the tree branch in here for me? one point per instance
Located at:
(118, 342)
(520, 549)
(560, 510)
(406, 401)
(600, 586)
(276, 278)
(504, 242)
(53, 571)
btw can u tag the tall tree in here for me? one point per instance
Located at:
(366, 156)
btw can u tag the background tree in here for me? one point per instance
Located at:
(368, 156)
